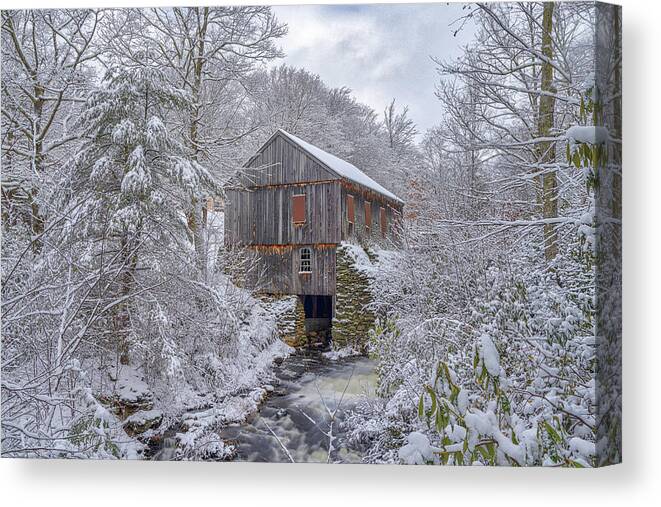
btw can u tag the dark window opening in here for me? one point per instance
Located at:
(382, 219)
(368, 214)
(318, 307)
(298, 208)
(305, 265)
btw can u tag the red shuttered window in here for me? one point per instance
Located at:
(382, 219)
(351, 212)
(368, 214)
(298, 208)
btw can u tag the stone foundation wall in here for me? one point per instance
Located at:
(299, 338)
(352, 321)
(290, 318)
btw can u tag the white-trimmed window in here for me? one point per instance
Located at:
(305, 265)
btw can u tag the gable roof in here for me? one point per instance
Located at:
(340, 167)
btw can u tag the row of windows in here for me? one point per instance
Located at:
(351, 215)
(298, 212)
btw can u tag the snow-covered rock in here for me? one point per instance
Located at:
(141, 421)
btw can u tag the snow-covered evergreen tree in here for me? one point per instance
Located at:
(138, 178)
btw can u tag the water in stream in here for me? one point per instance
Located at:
(305, 412)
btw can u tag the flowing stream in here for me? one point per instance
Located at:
(301, 421)
(302, 418)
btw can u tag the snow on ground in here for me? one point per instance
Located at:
(251, 388)
(143, 416)
(210, 390)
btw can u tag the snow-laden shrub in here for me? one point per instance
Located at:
(497, 371)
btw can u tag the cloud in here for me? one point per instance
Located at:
(380, 51)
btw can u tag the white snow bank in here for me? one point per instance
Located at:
(359, 257)
(143, 416)
(341, 167)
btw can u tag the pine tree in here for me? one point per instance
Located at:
(139, 180)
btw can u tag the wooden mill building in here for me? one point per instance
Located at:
(294, 204)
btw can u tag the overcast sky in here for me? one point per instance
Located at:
(380, 51)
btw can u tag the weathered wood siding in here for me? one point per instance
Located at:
(263, 216)
(282, 162)
(281, 266)
(258, 215)
(358, 232)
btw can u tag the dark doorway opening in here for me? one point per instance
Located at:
(318, 319)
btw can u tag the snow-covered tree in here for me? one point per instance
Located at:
(46, 70)
(139, 178)
(491, 333)
(208, 52)
(117, 125)
(111, 310)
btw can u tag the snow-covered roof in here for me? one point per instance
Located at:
(343, 168)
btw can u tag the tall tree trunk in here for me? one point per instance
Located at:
(617, 113)
(8, 192)
(129, 263)
(196, 216)
(36, 218)
(547, 148)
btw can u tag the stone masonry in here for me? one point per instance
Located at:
(352, 321)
